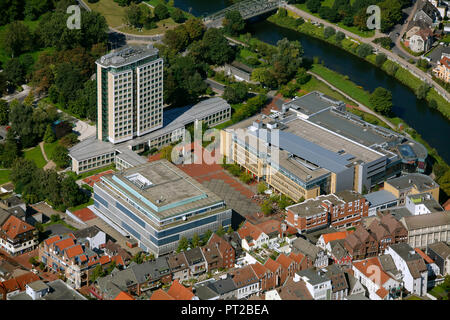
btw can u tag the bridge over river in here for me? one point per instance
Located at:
(247, 8)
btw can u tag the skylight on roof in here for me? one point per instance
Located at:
(139, 180)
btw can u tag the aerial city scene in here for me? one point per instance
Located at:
(240, 150)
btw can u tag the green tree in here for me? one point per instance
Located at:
(177, 39)
(183, 244)
(381, 100)
(340, 36)
(230, 230)
(422, 91)
(14, 72)
(177, 15)
(313, 5)
(364, 50)
(380, 59)
(329, 32)
(133, 15)
(206, 237)
(233, 23)
(161, 11)
(266, 207)
(235, 93)
(302, 76)
(98, 272)
(262, 187)
(49, 135)
(217, 49)
(60, 156)
(4, 112)
(195, 28)
(220, 231)
(195, 240)
(17, 39)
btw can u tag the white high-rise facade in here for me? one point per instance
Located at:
(129, 93)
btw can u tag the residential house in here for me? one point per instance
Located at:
(355, 288)
(107, 288)
(317, 282)
(235, 241)
(371, 275)
(160, 294)
(180, 292)
(56, 290)
(211, 289)
(251, 236)
(361, 244)
(419, 39)
(288, 265)
(386, 231)
(267, 279)
(114, 249)
(225, 251)
(178, 266)
(432, 268)
(276, 271)
(71, 257)
(339, 284)
(324, 240)
(124, 296)
(440, 253)
(426, 229)
(17, 236)
(339, 253)
(302, 262)
(93, 234)
(293, 289)
(427, 13)
(340, 210)
(316, 255)
(412, 266)
(442, 69)
(196, 261)
(17, 285)
(212, 257)
(151, 274)
(246, 282)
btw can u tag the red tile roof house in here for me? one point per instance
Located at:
(72, 258)
(301, 261)
(176, 292)
(226, 251)
(325, 239)
(16, 285)
(289, 266)
(246, 282)
(265, 275)
(17, 236)
(277, 271)
(371, 275)
(252, 237)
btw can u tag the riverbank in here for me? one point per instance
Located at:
(351, 46)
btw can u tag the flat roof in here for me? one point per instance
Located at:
(380, 197)
(331, 141)
(421, 181)
(127, 55)
(90, 147)
(422, 221)
(161, 188)
(311, 103)
(314, 205)
(427, 200)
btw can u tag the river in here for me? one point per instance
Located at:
(430, 124)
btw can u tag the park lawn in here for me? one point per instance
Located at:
(245, 53)
(4, 176)
(162, 27)
(341, 82)
(316, 85)
(355, 30)
(82, 206)
(413, 298)
(61, 222)
(112, 12)
(96, 171)
(49, 148)
(439, 292)
(35, 154)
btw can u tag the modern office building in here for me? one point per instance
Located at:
(314, 147)
(129, 93)
(157, 204)
(413, 183)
